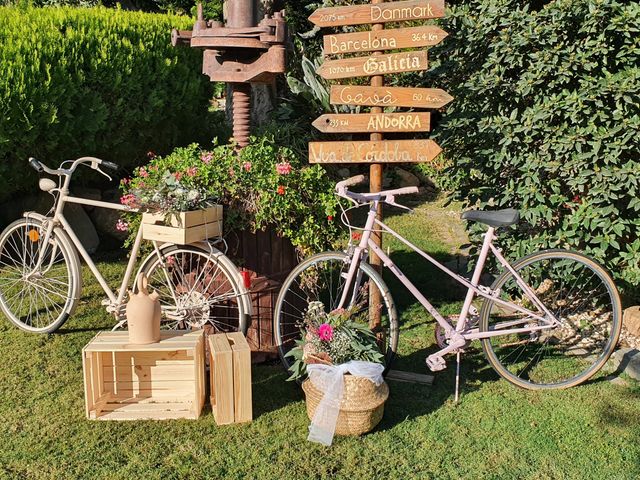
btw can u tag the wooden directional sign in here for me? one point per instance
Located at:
(389, 96)
(374, 65)
(378, 13)
(414, 37)
(374, 122)
(388, 151)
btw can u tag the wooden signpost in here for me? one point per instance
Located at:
(374, 65)
(389, 151)
(374, 43)
(378, 12)
(414, 37)
(374, 122)
(389, 96)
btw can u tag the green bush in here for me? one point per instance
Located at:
(546, 119)
(97, 81)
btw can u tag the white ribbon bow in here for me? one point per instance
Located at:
(330, 380)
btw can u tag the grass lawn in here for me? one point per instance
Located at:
(496, 431)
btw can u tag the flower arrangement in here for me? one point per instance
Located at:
(162, 191)
(333, 338)
(264, 185)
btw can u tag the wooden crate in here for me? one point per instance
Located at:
(159, 381)
(230, 382)
(188, 227)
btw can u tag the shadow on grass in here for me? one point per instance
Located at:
(412, 400)
(271, 391)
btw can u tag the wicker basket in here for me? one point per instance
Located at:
(361, 407)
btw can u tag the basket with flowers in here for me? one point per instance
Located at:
(338, 347)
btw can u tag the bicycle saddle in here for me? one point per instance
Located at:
(496, 218)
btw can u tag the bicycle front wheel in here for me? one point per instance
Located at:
(197, 289)
(579, 294)
(37, 296)
(322, 278)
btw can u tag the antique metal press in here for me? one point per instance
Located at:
(239, 53)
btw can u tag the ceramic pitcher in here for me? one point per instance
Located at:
(143, 315)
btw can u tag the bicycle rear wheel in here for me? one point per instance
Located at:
(322, 278)
(197, 289)
(40, 299)
(584, 299)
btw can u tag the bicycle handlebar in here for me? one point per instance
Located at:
(40, 167)
(35, 164)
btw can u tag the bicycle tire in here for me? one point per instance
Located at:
(589, 311)
(284, 331)
(201, 305)
(59, 279)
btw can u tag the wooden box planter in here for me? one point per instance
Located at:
(188, 227)
(230, 382)
(160, 381)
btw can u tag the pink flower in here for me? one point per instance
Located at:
(283, 168)
(141, 184)
(192, 172)
(330, 218)
(246, 166)
(122, 226)
(280, 190)
(125, 181)
(232, 172)
(206, 157)
(325, 332)
(178, 175)
(129, 200)
(143, 173)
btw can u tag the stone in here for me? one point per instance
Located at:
(82, 226)
(105, 219)
(344, 173)
(626, 360)
(88, 193)
(12, 210)
(405, 178)
(631, 320)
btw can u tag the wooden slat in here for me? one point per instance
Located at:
(185, 219)
(374, 65)
(181, 236)
(410, 377)
(380, 13)
(221, 367)
(374, 122)
(242, 402)
(160, 372)
(413, 37)
(389, 96)
(389, 151)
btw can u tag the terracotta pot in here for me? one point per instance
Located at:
(143, 315)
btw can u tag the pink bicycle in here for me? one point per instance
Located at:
(549, 320)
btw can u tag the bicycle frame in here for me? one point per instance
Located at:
(460, 329)
(58, 218)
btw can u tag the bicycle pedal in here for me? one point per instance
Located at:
(436, 364)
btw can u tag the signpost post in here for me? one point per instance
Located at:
(378, 151)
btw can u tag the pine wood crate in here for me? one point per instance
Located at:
(159, 381)
(188, 227)
(230, 378)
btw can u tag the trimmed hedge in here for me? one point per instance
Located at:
(97, 81)
(546, 119)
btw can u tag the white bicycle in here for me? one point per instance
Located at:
(41, 276)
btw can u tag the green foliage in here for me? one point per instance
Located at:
(265, 185)
(546, 119)
(94, 82)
